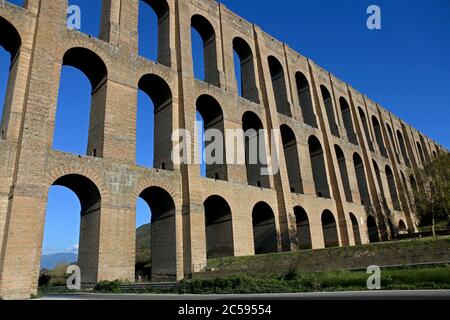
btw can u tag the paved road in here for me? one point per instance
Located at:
(365, 295)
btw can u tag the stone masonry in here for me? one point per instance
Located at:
(347, 165)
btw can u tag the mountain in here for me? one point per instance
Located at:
(143, 243)
(143, 251)
(51, 261)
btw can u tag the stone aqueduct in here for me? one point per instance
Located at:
(347, 176)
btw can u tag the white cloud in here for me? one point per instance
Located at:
(73, 248)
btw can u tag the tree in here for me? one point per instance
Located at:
(432, 196)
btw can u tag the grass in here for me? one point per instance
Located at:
(295, 281)
(299, 281)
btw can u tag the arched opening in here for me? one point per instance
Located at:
(402, 227)
(344, 173)
(419, 149)
(291, 158)
(413, 183)
(255, 150)
(401, 141)
(405, 186)
(264, 229)
(372, 229)
(366, 128)
(211, 116)
(204, 50)
(434, 154)
(303, 229)
(161, 238)
(379, 136)
(10, 43)
(154, 123)
(86, 104)
(218, 228)
(90, 17)
(330, 235)
(361, 180)
(424, 149)
(279, 86)
(329, 108)
(73, 200)
(143, 263)
(392, 188)
(305, 100)
(245, 70)
(348, 121)
(355, 227)
(391, 136)
(19, 3)
(154, 30)
(379, 182)
(318, 168)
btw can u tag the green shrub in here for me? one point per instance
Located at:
(108, 286)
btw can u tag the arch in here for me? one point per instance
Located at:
(208, 36)
(344, 173)
(360, 173)
(95, 70)
(421, 155)
(380, 182)
(402, 227)
(264, 229)
(305, 100)
(303, 228)
(11, 42)
(245, 70)
(162, 25)
(355, 227)
(424, 148)
(391, 136)
(218, 227)
(372, 229)
(10, 38)
(90, 204)
(255, 149)
(401, 141)
(318, 167)
(89, 63)
(279, 86)
(434, 154)
(291, 159)
(392, 188)
(413, 183)
(328, 102)
(163, 239)
(405, 186)
(330, 235)
(379, 136)
(348, 121)
(213, 124)
(160, 94)
(366, 128)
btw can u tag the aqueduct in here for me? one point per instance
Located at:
(342, 181)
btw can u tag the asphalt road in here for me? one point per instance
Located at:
(361, 295)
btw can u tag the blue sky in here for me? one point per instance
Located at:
(405, 67)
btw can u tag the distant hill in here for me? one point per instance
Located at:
(51, 261)
(143, 243)
(143, 251)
